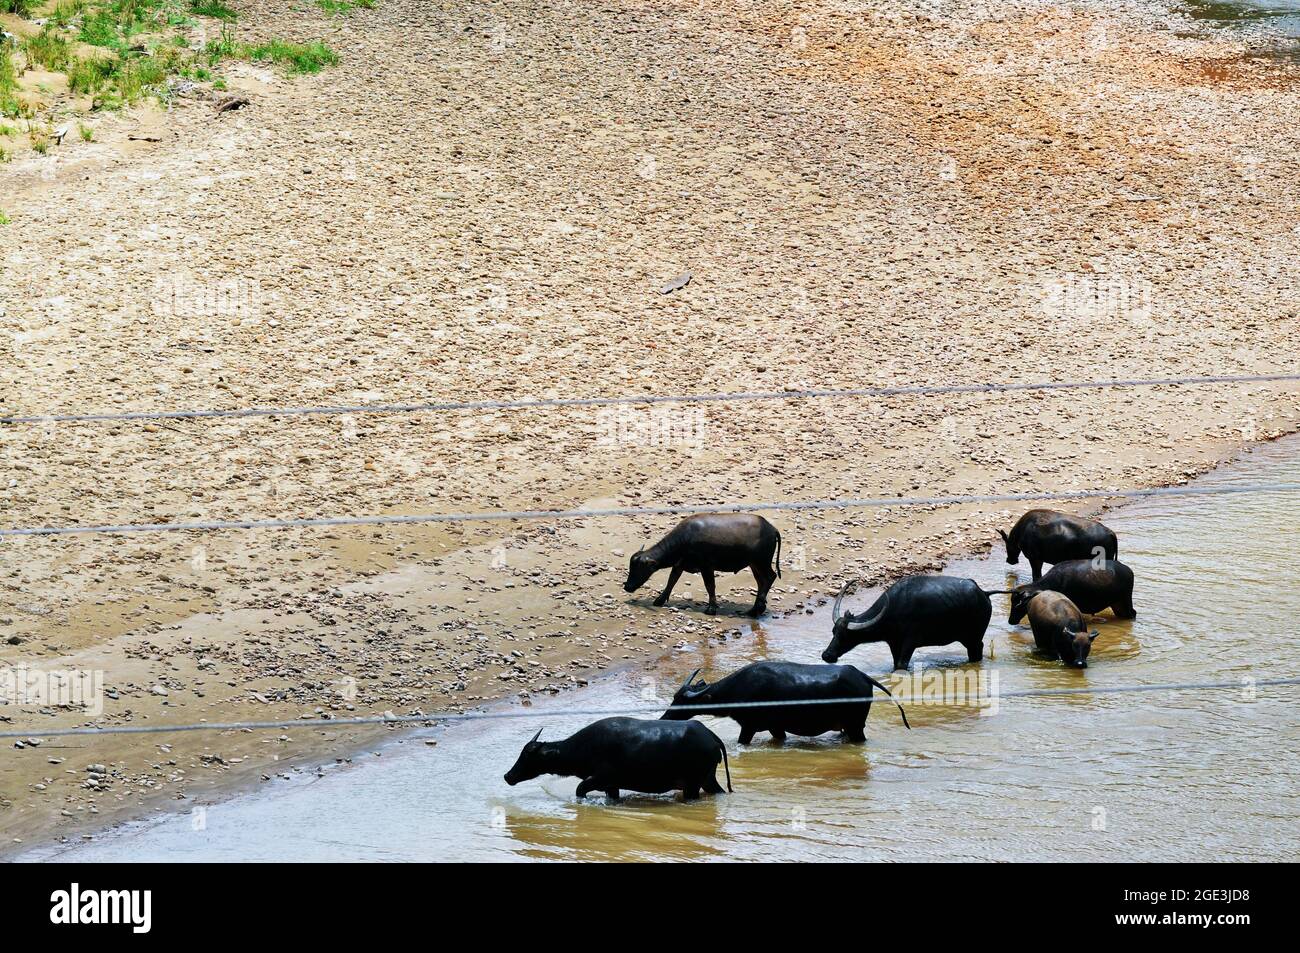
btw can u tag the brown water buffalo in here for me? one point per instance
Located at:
(1050, 536)
(1060, 630)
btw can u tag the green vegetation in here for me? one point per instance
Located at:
(87, 134)
(9, 105)
(140, 47)
(213, 8)
(48, 49)
(4, 219)
(341, 7)
(295, 57)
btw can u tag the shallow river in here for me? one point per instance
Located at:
(1275, 17)
(1169, 776)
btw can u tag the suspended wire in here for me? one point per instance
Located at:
(534, 403)
(391, 719)
(830, 504)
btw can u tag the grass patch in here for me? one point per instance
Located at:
(4, 219)
(48, 49)
(100, 29)
(9, 105)
(67, 10)
(294, 57)
(87, 134)
(20, 7)
(214, 9)
(140, 48)
(341, 7)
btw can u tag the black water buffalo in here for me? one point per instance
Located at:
(914, 612)
(1049, 536)
(784, 681)
(632, 753)
(1060, 630)
(1090, 584)
(709, 543)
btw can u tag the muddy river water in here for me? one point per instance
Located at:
(1158, 776)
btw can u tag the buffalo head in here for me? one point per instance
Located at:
(639, 568)
(847, 630)
(1013, 552)
(1020, 597)
(1073, 647)
(687, 694)
(532, 761)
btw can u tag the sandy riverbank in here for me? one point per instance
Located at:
(483, 202)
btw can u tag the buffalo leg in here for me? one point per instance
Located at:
(857, 733)
(710, 588)
(975, 650)
(764, 576)
(1124, 610)
(612, 793)
(691, 792)
(903, 654)
(587, 786)
(777, 735)
(1037, 566)
(711, 785)
(668, 589)
(746, 734)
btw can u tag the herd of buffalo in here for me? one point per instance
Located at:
(675, 753)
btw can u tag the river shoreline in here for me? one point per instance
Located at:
(404, 773)
(324, 757)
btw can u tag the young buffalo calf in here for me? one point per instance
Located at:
(1059, 629)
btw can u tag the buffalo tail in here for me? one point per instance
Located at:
(778, 554)
(891, 698)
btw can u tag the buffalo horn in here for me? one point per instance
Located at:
(835, 609)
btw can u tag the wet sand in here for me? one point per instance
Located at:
(1171, 776)
(484, 202)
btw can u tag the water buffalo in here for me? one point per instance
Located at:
(1049, 536)
(632, 753)
(1059, 629)
(1089, 584)
(782, 681)
(914, 612)
(709, 543)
